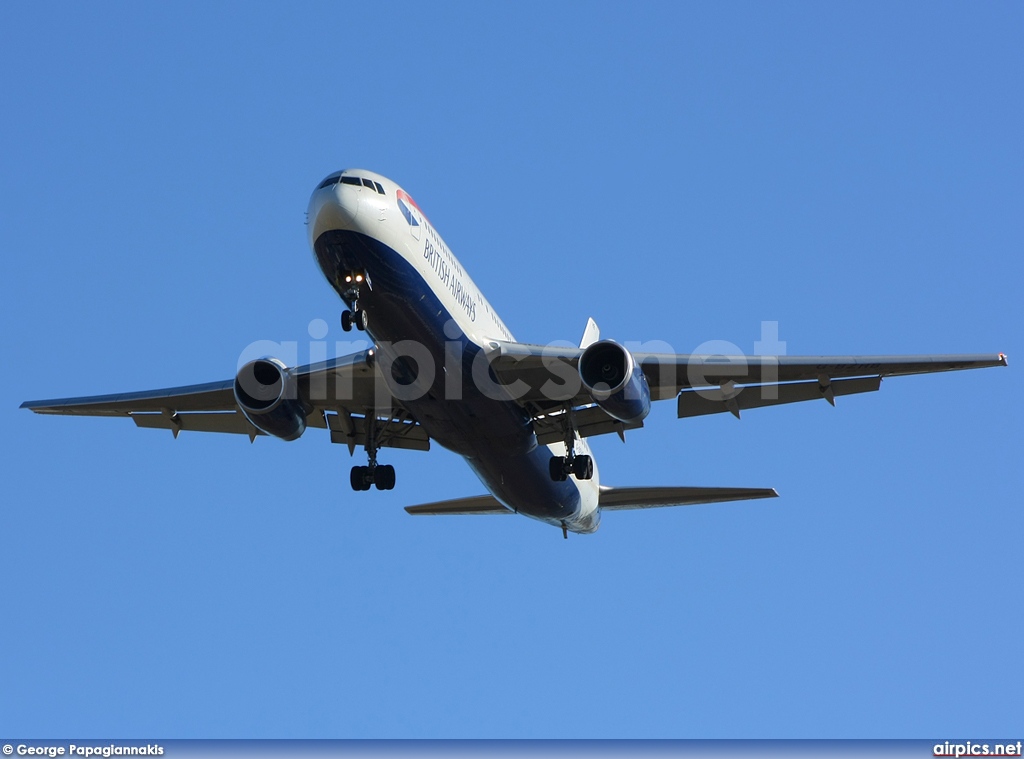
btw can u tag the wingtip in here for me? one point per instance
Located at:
(1002, 359)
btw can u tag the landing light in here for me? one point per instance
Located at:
(359, 277)
(348, 278)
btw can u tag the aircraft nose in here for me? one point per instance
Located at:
(332, 206)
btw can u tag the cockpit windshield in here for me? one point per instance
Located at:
(333, 179)
(355, 181)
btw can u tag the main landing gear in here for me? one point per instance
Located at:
(380, 475)
(560, 467)
(581, 467)
(356, 317)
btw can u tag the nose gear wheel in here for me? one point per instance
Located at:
(354, 282)
(357, 319)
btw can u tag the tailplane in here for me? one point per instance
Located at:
(611, 499)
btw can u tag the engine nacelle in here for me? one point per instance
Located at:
(615, 381)
(267, 393)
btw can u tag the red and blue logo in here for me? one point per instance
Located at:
(404, 203)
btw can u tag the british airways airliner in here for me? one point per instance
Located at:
(445, 368)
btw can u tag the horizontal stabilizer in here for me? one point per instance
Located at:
(613, 499)
(477, 504)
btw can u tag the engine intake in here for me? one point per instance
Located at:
(267, 393)
(616, 382)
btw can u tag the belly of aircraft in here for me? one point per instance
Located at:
(495, 436)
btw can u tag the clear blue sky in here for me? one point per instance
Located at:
(678, 171)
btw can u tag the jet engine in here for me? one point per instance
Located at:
(615, 381)
(267, 393)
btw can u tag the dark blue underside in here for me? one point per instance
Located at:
(495, 437)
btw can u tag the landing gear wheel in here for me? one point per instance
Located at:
(380, 475)
(556, 468)
(346, 321)
(583, 467)
(361, 320)
(384, 477)
(361, 478)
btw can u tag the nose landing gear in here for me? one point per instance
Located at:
(356, 317)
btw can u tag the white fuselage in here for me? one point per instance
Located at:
(418, 291)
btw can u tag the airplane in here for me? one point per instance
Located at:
(443, 367)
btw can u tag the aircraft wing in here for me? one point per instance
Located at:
(610, 498)
(337, 391)
(705, 384)
(340, 391)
